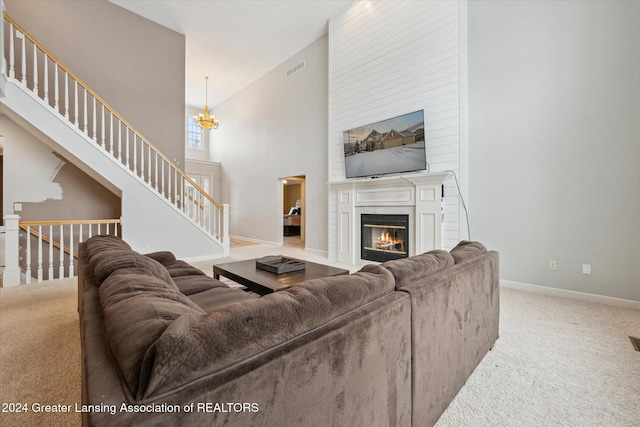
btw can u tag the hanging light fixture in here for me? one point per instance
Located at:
(204, 119)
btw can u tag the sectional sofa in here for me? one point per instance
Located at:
(389, 345)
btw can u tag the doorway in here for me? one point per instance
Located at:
(293, 210)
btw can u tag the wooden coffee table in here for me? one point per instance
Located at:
(264, 282)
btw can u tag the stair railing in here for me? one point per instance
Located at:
(55, 243)
(51, 82)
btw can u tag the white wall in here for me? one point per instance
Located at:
(554, 141)
(274, 128)
(389, 58)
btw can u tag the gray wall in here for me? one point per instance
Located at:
(554, 141)
(48, 186)
(135, 65)
(275, 128)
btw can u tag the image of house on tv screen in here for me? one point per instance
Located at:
(390, 146)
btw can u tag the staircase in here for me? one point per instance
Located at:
(162, 208)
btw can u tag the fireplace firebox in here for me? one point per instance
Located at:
(384, 237)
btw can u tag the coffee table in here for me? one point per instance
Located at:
(264, 282)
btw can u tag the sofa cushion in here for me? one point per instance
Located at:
(194, 346)
(100, 243)
(181, 268)
(466, 249)
(165, 258)
(408, 270)
(189, 285)
(137, 308)
(106, 262)
(213, 299)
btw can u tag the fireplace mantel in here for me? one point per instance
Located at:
(417, 195)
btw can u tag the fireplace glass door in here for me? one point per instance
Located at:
(384, 237)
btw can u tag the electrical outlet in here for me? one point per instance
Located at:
(17, 207)
(586, 269)
(553, 266)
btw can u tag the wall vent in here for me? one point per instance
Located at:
(295, 69)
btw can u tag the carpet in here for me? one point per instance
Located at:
(557, 362)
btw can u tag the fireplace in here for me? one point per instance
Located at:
(384, 237)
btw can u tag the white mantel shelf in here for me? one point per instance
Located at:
(416, 195)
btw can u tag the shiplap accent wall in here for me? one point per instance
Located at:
(388, 58)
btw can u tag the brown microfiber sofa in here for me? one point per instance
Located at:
(390, 345)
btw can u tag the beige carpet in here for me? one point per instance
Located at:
(39, 352)
(558, 361)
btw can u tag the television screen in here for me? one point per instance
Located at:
(391, 146)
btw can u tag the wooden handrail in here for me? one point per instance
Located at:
(108, 107)
(69, 222)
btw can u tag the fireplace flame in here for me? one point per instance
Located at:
(387, 242)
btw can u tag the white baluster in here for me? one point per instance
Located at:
(182, 194)
(56, 89)
(80, 235)
(51, 252)
(86, 130)
(175, 187)
(162, 177)
(45, 75)
(12, 59)
(40, 273)
(72, 272)
(35, 69)
(119, 141)
(135, 154)
(149, 163)
(95, 136)
(119, 133)
(127, 148)
(90, 230)
(107, 228)
(99, 232)
(142, 159)
(28, 256)
(111, 133)
(156, 153)
(61, 270)
(76, 102)
(102, 126)
(169, 194)
(66, 95)
(24, 60)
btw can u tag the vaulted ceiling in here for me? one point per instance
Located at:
(235, 42)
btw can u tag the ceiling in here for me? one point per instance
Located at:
(235, 42)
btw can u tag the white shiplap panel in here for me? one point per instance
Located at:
(388, 58)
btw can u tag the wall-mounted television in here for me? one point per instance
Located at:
(394, 145)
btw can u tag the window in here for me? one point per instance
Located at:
(194, 134)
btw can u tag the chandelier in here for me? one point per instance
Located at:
(205, 120)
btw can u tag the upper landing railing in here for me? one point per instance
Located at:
(38, 71)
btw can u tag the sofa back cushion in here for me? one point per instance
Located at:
(466, 249)
(193, 345)
(408, 270)
(137, 308)
(106, 262)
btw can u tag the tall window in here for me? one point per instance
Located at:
(194, 134)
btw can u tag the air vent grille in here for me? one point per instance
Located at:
(295, 69)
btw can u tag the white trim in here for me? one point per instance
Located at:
(248, 239)
(564, 293)
(463, 159)
(319, 252)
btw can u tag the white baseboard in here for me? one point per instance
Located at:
(564, 293)
(249, 239)
(318, 252)
(202, 257)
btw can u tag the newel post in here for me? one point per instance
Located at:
(226, 241)
(11, 273)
